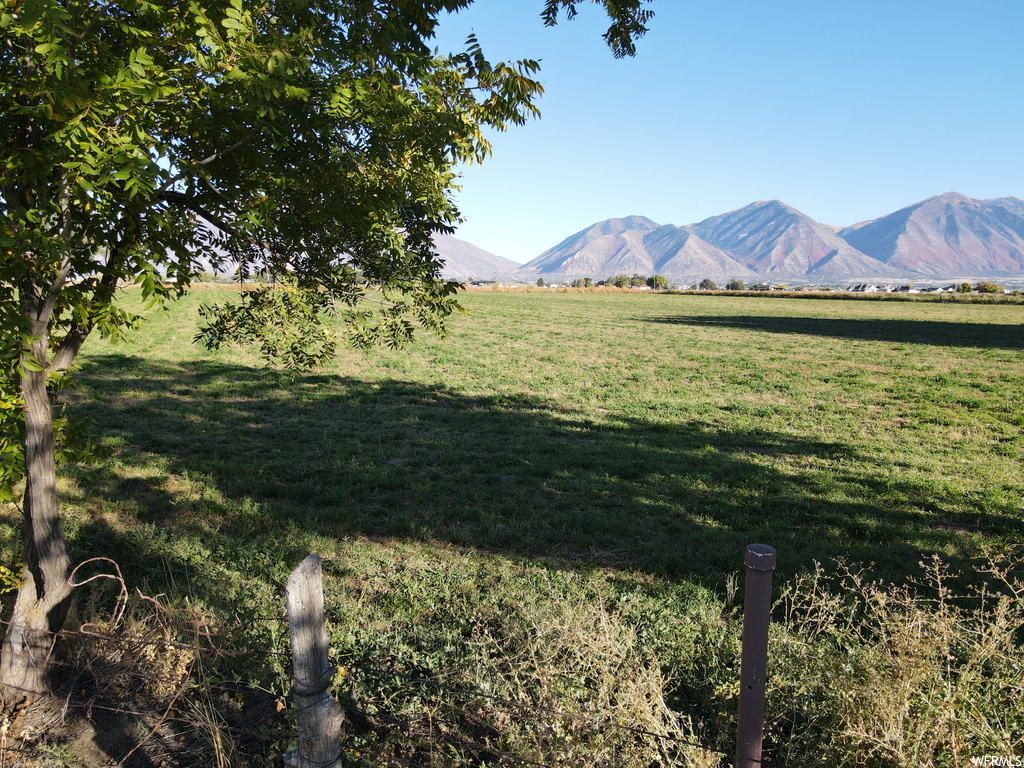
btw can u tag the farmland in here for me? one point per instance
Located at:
(570, 449)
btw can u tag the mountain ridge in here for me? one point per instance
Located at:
(943, 236)
(947, 232)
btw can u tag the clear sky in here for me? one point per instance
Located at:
(844, 109)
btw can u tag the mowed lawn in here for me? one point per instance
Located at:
(654, 433)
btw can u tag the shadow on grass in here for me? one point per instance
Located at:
(251, 470)
(930, 332)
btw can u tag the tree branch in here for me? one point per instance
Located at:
(177, 198)
(71, 344)
(53, 292)
(212, 158)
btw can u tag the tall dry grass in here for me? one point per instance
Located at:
(928, 674)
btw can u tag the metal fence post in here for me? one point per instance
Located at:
(757, 604)
(319, 714)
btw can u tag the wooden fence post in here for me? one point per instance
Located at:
(757, 608)
(319, 714)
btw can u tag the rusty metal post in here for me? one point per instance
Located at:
(757, 604)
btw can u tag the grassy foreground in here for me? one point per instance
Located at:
(552, 505)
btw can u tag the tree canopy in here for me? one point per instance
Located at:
(143, 141)
(658, 282)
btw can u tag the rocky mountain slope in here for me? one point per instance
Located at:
(774, 239)
(631, 245)
(945, 235)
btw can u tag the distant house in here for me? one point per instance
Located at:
(865, 288)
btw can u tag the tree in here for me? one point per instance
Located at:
(658, 282)
(619, 281)
(735, 285)
(964, 288)
(540, 282)
(986, 286)
(143, 142)
(707, 284)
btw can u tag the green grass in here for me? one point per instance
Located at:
(654, 433)
(634, 442)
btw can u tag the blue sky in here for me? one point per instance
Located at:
(845, 109)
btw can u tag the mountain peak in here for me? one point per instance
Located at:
(954, 197)
(773, 238)
(947, 235)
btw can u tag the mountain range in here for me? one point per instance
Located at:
(942, 237)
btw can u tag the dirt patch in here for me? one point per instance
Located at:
(141, 731)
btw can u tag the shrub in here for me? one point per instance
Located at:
(988, 287)
(590, 690)
(707, 284)
(871, 674)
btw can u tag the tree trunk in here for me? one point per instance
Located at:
(45, 596)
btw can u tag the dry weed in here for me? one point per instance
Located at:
(588, 695)
(901, 676)
(136, 692)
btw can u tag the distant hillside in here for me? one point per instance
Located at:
(463, 260)
(615, 244)
(947, 235)
(680, 253)
(631, 245)
(773, 239)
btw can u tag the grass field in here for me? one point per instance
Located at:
(576, 449)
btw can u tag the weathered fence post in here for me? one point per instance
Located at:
(757, 605)
(319, 714)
